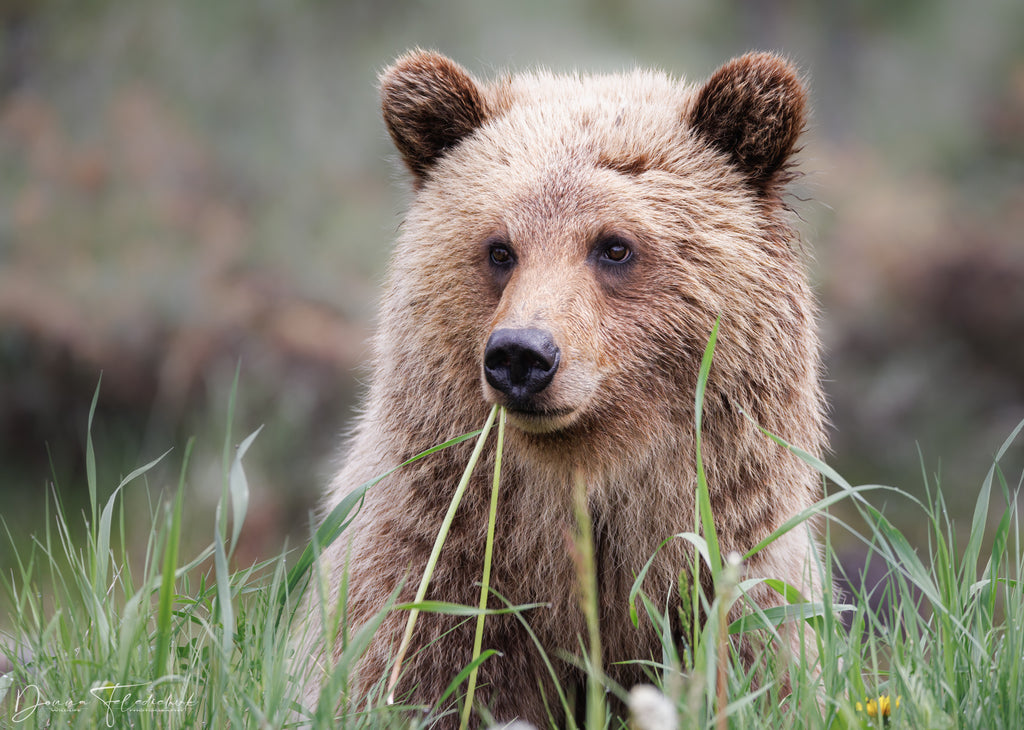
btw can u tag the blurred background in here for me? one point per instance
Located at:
(189, 187)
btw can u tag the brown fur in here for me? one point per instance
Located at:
(554, 167)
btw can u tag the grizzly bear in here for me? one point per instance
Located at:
(570, 244)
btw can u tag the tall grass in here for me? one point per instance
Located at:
(171, 641)
(182, 643)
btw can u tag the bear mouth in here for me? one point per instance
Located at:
(531, 419)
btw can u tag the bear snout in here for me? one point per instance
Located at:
(520, 363)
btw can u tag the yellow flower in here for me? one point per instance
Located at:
(878, 707)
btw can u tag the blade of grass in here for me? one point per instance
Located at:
(586, 570)
(442, 535)
(775, 616)
(225, 607)
(6, 682)
(980, 519)
(460, 609)
(341, 516)
(102, 558)
(106, 519)
(90, 461)
(166, 596)
(725, 589)
(226, 455)
(638, 582)
(813, 461)
(468, 671)
(225, 630)
(815, 509)
(238, 495)
(703, 516)
(706, 517)
(563, 700)
(353, 650)
(238, 488)
(485, 581)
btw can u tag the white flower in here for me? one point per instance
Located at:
(649, 709)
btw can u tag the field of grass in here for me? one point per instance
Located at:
(105, 638)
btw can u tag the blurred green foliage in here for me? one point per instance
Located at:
(186, 186)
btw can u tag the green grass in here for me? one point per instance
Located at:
(167, 641)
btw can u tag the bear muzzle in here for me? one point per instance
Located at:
(521, 363)
(519, 367)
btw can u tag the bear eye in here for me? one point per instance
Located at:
(616, 251)
(501, 255)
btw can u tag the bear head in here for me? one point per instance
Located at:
(573, 239)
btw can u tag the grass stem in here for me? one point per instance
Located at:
(442, 535)
(485, 581)
(586, 568)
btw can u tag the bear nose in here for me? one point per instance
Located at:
(520, 362)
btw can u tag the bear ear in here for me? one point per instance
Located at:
(430, 103)
(752, 109)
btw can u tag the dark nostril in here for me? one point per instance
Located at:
(520, 362)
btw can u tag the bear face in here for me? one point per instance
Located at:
(598, 226)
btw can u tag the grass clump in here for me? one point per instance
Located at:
(171, 643)
(166, 641)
